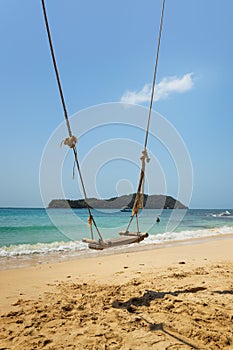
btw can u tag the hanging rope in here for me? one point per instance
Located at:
(71, 140)
(139, 198)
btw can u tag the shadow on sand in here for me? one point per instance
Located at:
(223, 291)
(145, 300)
(150, 295)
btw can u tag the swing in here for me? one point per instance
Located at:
(126, 237)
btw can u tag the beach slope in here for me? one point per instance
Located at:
(177, 297)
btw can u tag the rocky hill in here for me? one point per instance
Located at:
(150, 202)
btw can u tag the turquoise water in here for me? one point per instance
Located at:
(24, 232)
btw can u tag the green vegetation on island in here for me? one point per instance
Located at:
(150, 202)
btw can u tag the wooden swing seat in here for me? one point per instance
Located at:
(126, 238)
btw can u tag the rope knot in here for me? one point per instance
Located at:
(90, 219)
(70, 141)
(145, 156)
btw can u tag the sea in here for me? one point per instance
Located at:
(36, 236)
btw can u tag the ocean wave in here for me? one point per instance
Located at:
(78, 246)
(41, 248)
(187, 234)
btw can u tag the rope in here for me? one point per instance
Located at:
(71, 140)
(155, 73)
(139, 198)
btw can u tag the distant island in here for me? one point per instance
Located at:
(150, 202)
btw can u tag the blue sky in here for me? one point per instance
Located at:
(105, 52)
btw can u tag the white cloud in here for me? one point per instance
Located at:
(163, 89)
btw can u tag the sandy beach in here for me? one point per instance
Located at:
(176, 297)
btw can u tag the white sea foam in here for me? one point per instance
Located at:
(187, 234)
(77, 246)
(41, 248)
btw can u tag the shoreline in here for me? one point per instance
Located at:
(29, 260)
(189, 249)
(178, 296)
